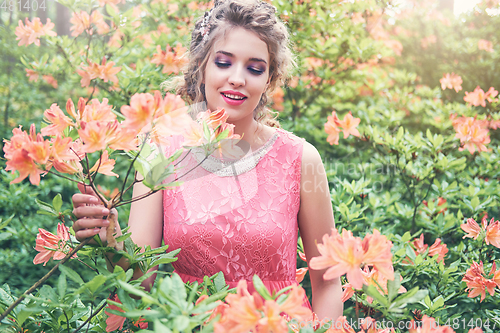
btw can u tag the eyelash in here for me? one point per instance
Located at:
(226, 65)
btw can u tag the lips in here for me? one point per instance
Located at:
(233, 97)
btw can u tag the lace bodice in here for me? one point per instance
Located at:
(241, 223)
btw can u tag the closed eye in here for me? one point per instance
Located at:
(222, 64)
(256, 71)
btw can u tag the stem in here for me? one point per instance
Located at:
(154, 191)
(43, 279)
(67, 320)
(94, 313)
(59, 175)
(130, 169)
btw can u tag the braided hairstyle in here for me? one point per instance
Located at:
(255, 16)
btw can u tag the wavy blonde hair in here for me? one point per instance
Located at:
(252, 15)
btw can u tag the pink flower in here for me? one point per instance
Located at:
(33, 30)
(477, 283)
(451, 81)
(485, 45)
(347, 254)
(52, 246)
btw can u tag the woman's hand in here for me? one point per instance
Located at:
(90, 211)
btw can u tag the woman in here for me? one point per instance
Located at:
(240, 218)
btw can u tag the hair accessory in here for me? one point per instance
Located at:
(205, 26)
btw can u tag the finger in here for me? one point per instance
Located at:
(90, 211)
(86, 233)
(84, 199)
(84, 224)
(86, 189)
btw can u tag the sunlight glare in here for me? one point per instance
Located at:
(462, 6)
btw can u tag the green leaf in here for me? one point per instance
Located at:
(261, 288)
(406, 237)
(135, 291)
(181, 323)
(57, 202)
(393, 286)
(160, 328)
(6, 222)
(219, 281)
(375, 294)
(62, 285)
(71, 274)
(123, 237)
(95, 283)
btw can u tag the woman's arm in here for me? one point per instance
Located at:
(315, 219)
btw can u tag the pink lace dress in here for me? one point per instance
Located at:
(240, 219)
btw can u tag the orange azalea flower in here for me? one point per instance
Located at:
(349, 125)
(476, 98)
(123, 139)
(70, 167)
(93, 135)
(340, 255)
(172, 62)
(332, 129)
(490, 94)
(278, 99)
(52, 246)
(378, 253)
(50, 80)
(471, 228)
(96, 111)
(493, 234)
(272, 321)
(293, 305)
(104, 165)
(57, 119)
(472, 133)
(242, 315)
(475, 330)
(107, 72)
(33, 30)
(20, 161)
(80, 23)
(428, 325)
(115, 322)
(140, 112)
(477, 283)
(347, 254)
(213, 119)
(439, 249)
(451, 81)
(300, 274)
(61, 149)
(32, 75)
(373, 278)
(485, 45)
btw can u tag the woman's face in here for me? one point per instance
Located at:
(237, 74)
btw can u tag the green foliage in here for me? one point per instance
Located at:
(404, 175)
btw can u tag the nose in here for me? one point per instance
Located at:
(237, 76)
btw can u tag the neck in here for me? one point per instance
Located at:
(249, 131)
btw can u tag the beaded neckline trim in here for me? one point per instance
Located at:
(229, 168)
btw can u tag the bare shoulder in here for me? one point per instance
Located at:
(311, 160)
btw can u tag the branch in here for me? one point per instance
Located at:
(43, 279)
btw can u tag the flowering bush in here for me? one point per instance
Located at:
(419, 169)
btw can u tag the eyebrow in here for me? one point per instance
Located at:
(232, 56)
